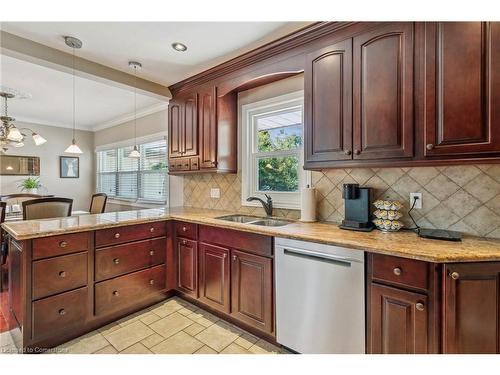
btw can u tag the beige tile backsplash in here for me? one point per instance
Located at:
(463, 198)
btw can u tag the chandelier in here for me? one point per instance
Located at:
(10, 135)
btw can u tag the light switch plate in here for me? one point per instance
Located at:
(418, 203)
(215, 193)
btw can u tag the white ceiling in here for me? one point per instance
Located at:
(97, 104)
(115, 43)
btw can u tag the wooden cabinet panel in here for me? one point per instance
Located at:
(252, 290)
(214, 276)
(187, 266)
(328, 103)
(122, 259)
(190, 126)
(118, 235)
(186, 230)
(59, 274)
(175, 132)
(208, 127)
(462, 88)
(471, 308)
(398, 321)
(60, 245)
(400, 271)
(383, 92)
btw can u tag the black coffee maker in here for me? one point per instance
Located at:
(357, 202)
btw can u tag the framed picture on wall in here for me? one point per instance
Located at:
(69, 166)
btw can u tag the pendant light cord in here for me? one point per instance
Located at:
(74, 94)
(135, 106)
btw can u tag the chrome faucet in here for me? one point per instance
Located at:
(268, 206)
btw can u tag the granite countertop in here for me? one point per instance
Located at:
(404, 243)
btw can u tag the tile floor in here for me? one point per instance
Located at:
(170, 327)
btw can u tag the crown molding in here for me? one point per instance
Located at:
(296, 39)
(36, 121)
(130, 116)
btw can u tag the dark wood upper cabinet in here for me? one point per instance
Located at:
(214, 276)
(471, 308)
(190, 128)
(252, 290)
(462, 91)
(175, 131)
(398, 321)
(183, 126)
(383, 92)
(208, 127)
(187, 266)
(328, 104)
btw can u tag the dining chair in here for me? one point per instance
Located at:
(44, 208)
(98, 203)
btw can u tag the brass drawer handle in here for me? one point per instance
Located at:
(420, 306)
(151, 282)
(116, 261)
(234, 258)
(62, 312)
(357, 152)
(63, 244)
(184, 229)
(62, 274)
(348, 152)
(117, 235)
(429, 146)
(184, 242)
(454, 275)
(151, 252)
(397, 271)
(115, 293)
(151, 229)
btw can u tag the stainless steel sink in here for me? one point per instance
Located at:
(254, 220)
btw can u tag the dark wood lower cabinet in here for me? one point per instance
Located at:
(252, 290)
(187, 266)
(214, 276)
(399, 322)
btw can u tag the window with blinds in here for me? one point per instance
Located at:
(143, 179)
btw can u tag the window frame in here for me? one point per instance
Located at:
(249, 166)
(138, 172)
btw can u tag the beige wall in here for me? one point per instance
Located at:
(463, 198)
(80, 189)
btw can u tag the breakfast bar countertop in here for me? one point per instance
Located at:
(403, 244)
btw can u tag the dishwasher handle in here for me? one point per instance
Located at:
(344, 261)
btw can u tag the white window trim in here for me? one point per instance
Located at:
(287, 200)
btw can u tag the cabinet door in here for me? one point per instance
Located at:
(187, 266)
(174, 129)
(462, 88)
(471, 308)
(251, 289)
(383, 93)
(208, 128)
(398, 321)
(214, 276)
(190, 126)
(328, 104)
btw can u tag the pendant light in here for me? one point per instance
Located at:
(73, 43)
(135, 154)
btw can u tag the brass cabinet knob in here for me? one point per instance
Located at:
(116, 261)
(62, 312)
(224, 256)
(348, 152)
(63, 244)
(117, 235)
(184, 242)
(151, 229)
(184, 229)
(420, 306)
(115, 293)
(397, 271)
(429, 146)
(62, 274)
(234, 258)
(151, 252)
(454, 275)
(151, 282)
(357, 152)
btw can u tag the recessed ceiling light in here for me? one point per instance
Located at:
(179, 47)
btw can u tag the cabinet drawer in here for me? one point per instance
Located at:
(195, 163)
(124, 291)
(400, 271)
(187, 230)
(129, 233)
(60, 245)
(121, 259)
(59, 312)
(59, 274)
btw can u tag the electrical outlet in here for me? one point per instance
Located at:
(215, 193)
(418, 203)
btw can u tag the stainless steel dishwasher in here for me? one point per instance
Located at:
(320, 297)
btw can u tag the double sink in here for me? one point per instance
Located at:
(254, 220)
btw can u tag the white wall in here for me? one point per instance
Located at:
(147, 125)
(79, 189)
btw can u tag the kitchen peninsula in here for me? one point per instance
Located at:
(71, 275)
